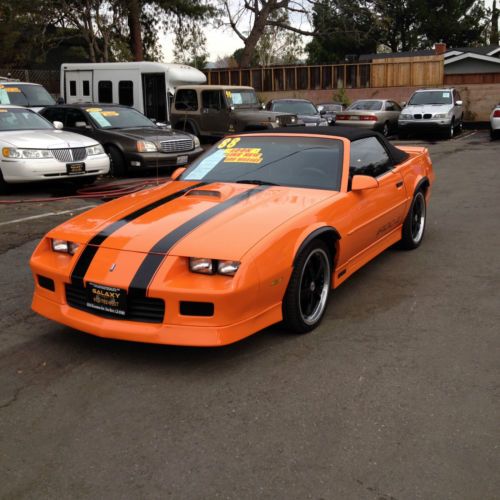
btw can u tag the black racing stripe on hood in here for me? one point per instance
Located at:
(153, 260)
(89, 252)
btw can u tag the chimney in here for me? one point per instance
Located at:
(440, 48)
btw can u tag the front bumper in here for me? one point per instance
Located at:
(161, 160)
(423, 125)
(495, 124)
(239, 308)
(20, 171)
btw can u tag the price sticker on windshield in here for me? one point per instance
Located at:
(14, 90)
(228, 94)
(110, 113)
(243, 155)
(229, 143)
(93, 110)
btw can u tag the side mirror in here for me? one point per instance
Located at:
(60, 100)
(177, 173)
(58, 125)
(403, 104)
(154, 120)
(322, 112)
(459, 103)
(362, 182)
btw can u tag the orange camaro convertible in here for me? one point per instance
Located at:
(257, 230)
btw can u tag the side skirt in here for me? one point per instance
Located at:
(358, 261)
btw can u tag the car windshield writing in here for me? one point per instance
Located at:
(366, 105)
(25, 95)
(431, 97)
(295, 107)
(242, 98)
(22, 119)
(284, 161)
(115, 117)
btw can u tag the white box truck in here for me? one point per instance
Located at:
(145, 86)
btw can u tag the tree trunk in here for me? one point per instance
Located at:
(494, 25)
(134, 25)
(255, 34)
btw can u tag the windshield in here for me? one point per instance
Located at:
(117, 117)
(283, 161)
(366, 105)
(431, 97)
(22, 119)
(241, 97)
(295, 107)
(25, 95)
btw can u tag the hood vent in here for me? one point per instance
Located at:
(204, 192)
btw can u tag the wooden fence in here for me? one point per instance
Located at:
(393, 72)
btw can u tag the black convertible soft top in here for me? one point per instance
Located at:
(352, 133)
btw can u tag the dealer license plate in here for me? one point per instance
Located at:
(107, 298)
(75, 168)
(182, 160)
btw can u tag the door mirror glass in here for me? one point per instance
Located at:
(58, 125)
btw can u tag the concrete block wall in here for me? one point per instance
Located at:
(479, 99)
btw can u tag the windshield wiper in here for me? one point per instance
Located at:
(256, 181)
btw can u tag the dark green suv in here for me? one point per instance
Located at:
(217, 110)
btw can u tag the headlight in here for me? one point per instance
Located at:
(63, 246)
(199, 265)
(146, 147)
(196, 142)
(405, 117)
(27, 153)
(227, 267)
(211, 266)
(278, 121)
(95, 150)
(440, 115)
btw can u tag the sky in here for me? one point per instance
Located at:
(223, 42)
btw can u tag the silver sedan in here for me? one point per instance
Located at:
(376, 114)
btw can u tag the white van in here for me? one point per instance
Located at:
(146, 86)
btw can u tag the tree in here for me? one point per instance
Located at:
(190, 44)
(458, 23)
(278, 46)
(342, 28)
(259, 14)
(494, 24)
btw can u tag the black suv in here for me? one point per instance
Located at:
(131, 139)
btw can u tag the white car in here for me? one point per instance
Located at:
(33, 149)
(439, 110)
(495, 122)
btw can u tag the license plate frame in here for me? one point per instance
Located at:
(182, 160)
(108, 299)
(75, 168)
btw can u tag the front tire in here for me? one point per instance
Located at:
(307, 294)
(414, 224)
(450, 131)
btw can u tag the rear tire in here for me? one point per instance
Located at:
(386, 130)
(117, 165)
(307, 293)
(414, 224)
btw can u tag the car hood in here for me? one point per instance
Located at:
(427, 108)
(45, 139)
(220, 236)
(157, 134)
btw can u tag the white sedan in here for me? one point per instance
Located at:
(495, 122)
(33, 149)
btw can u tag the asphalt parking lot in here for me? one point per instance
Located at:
(395, 396)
